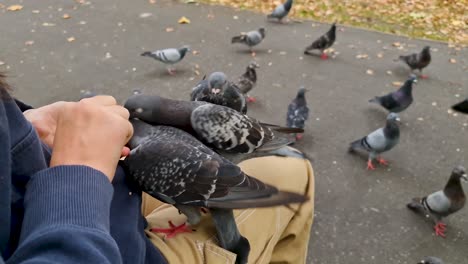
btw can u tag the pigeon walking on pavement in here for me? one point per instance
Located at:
(175, 168)
(218, 90)
(248, 80)
(431, 260)
(399, 100)
(298, 112)
(418, 61)
(379, 141)
(323, 42)
(251, 38)
(281, 11)
(443, 203)
(168, 56)
(219, 126)
(461, 107)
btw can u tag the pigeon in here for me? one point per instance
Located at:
(461, 107)
(218, 90)
(281, 11)
(176, 168)
(431, 260)
(298, 112)
(324, 42)
(248, 80)
(251, 38)
(379, 141)
(218, 126)
(399, 100)
(418, 61)
(168, 56)
(443, 203)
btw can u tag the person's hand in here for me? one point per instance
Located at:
(44, 120)
(91, 132)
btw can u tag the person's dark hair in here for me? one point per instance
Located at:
(4, 87)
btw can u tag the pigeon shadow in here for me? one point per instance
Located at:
(376, 114)
(246, 51)
(278, 22)
(163, 74)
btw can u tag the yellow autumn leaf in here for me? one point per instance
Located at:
(70, 39)
(397, 83)
(169, 29)
(184, 20)
(66, 16)
(15, 8)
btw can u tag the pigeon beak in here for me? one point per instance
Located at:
(215, 91)
(398, 119)
(464, 177)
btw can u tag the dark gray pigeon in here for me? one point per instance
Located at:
(461, 107)
(168, 56)
(251, 38)
(281, 11)
(379, 141)
(175, 168)
(418, 61)
(219, 126)
(298, 112)
(218, 90)
(248, 80)
(431, 260)
(324, 42)
(399, 100)
(442, 203)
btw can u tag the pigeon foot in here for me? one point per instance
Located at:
(173, 230)
(440, 228)
(424, 76)
(382, 161)
(171, 71)
(299, 136)
(324, 56)
(370, 166)
(251, 99)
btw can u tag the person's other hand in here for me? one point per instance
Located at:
(91, 132)
(44, 120)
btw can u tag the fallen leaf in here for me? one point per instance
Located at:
(1, 62)
(197, 72)
(190, 2)
(396, 44)
(434, 103)
(70, 39)
(35, 11)
(195, 52)
(152, 1)
(169, 29)
(389, 72)
(452, 60)
(145, 15)
(210, 16)
(66, 16)
(370, 72)
(397, 83)
(14, 7)
(184, 20)
(29, 42)
(379, 55)
(108, 55)
(420, 119)
(235, 17)
(46, 24)
(361, 56)
(282, 53)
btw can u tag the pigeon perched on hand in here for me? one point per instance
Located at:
(461, 107)
(418, 61)
(379, 141)
(281, 11)
(251, 38)
(298, 112)
(218, 90)
(324, 42)
(175, 168)
(219, 126)
(399, 100)
(431, 260)
(443, 203)
(168, 56)
(248, 80)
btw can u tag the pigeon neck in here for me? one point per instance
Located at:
(288, 5)
(425, 55)
(251, 74)
(332, 33)
(453, 189)
(391, 129)
(173, 113)
(182, 52)
(407, 87)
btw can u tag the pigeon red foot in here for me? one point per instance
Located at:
(439, 229)
(370, 166)
(171, 71)
(424, 76)
(251, 99)
(324, 56)
(299, 136)
(382, 161)
(173, 230)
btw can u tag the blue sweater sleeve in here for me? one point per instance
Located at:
(66, 218)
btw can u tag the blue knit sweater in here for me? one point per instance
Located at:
(65, 214)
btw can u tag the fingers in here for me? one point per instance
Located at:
(125, 152)
(119, 110)
(104, 100)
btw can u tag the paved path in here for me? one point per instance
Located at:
(360, 216)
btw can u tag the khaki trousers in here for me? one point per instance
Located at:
(276, 234)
